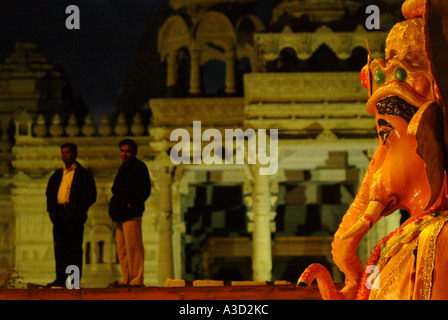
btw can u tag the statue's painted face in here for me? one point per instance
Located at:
(399, 169)
(396, 78)
(398, 87)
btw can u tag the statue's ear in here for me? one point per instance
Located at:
(427, 127)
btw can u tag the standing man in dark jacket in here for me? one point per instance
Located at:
(70, 192)
(131, 188)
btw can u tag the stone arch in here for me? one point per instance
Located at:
(324, 59)
(245, 28)
(249, 23)
(288, 61)
(173, 35)
(287, 48)
(214, 38)
(214, 30)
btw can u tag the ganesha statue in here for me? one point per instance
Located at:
(408, 92)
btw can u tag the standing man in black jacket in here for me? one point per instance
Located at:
(131, 188)
(70, 192)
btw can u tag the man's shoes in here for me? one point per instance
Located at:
(117, 284)
(120, 284)
(56, 284)
(31, 285)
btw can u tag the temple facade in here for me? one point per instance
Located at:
(214, 215)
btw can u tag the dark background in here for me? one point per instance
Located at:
(96, 57)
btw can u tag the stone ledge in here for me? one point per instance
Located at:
(255, 292)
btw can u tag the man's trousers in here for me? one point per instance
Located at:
(68, 237)
(130, 250)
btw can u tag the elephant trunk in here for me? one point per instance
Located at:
(324, 282)
(362, 214)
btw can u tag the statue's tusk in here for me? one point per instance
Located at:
(358, 227)
(367, 220)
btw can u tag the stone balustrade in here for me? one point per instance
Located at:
(166, 112)
(72, 128)
(24, 125)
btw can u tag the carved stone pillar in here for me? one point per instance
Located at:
(230, 71)
(195, 79)
(162, 180)
(179, 191)
(171, 74)
(261, 224)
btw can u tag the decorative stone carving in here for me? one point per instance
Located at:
(327, 135)
(269, 45)
(316, 11)
(72, 128)
(343, 119)
(23, 122)
(121, 127)
(40, 128)
(105, 128)
(56, 128)
(211, 111)
(137, 127)
(88, 129)
(304, 87)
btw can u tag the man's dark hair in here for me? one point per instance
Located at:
(73, 147)
(128, 142)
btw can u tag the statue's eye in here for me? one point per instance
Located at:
(400, 74)
(379, 76)
(384, 134)
(384, 129)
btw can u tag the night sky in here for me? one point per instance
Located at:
(95, 57)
